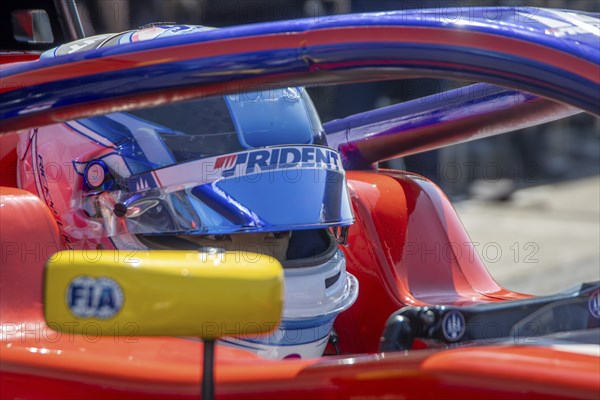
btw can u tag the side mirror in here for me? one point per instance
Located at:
(163, 293)
(31, 26)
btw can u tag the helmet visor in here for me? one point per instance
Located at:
(271, 189)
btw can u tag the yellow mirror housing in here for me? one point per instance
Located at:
(163, 293)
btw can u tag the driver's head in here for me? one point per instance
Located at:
(248, 173)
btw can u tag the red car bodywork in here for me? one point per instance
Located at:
(392, 209)
(407, 247)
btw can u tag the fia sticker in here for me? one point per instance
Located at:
(94, 175)
(89, 297)
(594, 304)
(453, 325)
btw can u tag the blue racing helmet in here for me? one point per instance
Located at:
(252, 162)
(248, 172)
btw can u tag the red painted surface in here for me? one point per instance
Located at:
(8, 160)
(29, 237)
(407, 247)
(10, 57)
(170, 368)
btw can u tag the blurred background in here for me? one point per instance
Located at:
(529, 199)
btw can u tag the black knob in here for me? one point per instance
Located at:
(397, 334)
(120, 210)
